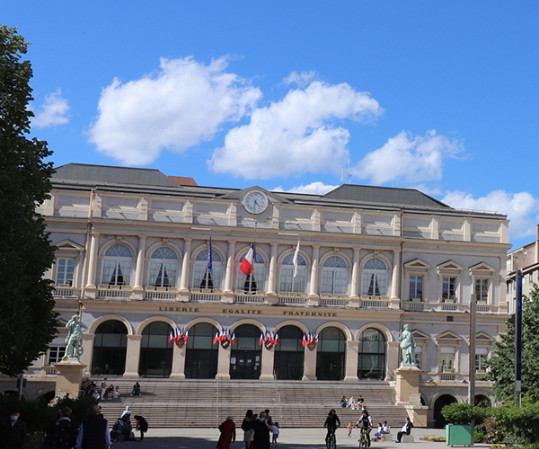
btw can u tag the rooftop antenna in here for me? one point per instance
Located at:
(346, 175)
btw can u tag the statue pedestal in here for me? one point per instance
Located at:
(407, 389)
(68, 378)
(407, 385)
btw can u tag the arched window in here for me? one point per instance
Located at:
(163, 268)
(375, 277)
(372, 355)
(256, 280)
(117, 265)
(203, 277)
(246, 354)
(110, 347)
(155, 350)
(334, 279)
(287, 281)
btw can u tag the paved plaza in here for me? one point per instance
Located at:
(288, 439)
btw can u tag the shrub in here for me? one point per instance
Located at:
(463, 413)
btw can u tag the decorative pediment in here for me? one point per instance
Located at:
(417, 265)
(483, 339)
(482, 268)
(420, 336)
(68, 245)
(448, 337)
(449, 266)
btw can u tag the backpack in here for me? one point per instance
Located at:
(245, 425)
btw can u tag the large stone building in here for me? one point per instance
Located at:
(133, 255)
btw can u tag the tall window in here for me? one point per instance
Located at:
(256, 280)
(334, 279)
(56, 354)
(447, 359)
(117, 265)
(202, 278)
(416, 287)
(481, 290)
(156, 351)
(375, 277)
(65, 269)
(449, 288)
(163, 267)
(418, 356)
(287, 282)
(481, 355)
(110, 348)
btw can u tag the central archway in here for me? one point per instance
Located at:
(110, 347)
(330, 356)
(289, 354)
(156, 350)
(246, 354)
(201, 353)
(441, 402)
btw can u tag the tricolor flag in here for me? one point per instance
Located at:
(233, 338)
(171, 336)
(295, 260)
(248, 261)
(261, 341)
(216, 338)
(276, 339)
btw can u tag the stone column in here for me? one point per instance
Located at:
(352, 348)
(223, 362)
(272, 275)
(87, 351)
(138, 289)
(395, 275)
(309, 365)
(356, 281)
(229, 274)
(313, 292)
(178, 362)
(186, 265)
(132, 358)
(266, 369)
(92, 264)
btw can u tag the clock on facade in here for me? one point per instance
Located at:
(255, 202)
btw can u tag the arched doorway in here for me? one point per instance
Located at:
(330, 354)
(201, 353)
(110, 348)
(441, 402)
(372, 355)
(246, 354)
(289, 354)
(156, 351)
(482, 400)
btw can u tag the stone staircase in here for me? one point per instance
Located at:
(206, 403)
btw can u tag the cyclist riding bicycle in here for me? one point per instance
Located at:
(365, 423)
(332, 422)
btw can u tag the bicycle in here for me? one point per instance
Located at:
(364, 439)
(331, 442)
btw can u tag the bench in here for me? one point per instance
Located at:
(407, 439)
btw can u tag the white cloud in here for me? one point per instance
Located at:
(522, 208)
(300, 79)
(295, 135)
(408, 159)
(53, 111)
(314, 188)
(183, 104)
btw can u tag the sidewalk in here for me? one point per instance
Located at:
(288, 439)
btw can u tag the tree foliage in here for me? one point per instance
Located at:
(502, 364)
(27, 320)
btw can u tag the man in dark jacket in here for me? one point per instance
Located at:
(14, 431)
(94, 431)
(62, 433)
(406, 429)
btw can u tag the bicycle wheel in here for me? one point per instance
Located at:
(332, 443)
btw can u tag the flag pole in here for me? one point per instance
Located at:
(254, 260)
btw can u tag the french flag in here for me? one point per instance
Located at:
(248, 261)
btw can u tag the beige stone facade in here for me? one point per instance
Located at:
(133, 255)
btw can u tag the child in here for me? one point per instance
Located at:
(275, 435)
(379, 432)
(350, 426)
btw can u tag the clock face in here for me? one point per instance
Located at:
(255, 202)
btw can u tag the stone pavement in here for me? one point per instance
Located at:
(288, 439)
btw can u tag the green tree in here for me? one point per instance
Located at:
(27, 319)
(502, 364)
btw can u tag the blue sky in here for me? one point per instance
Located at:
(436, 95)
